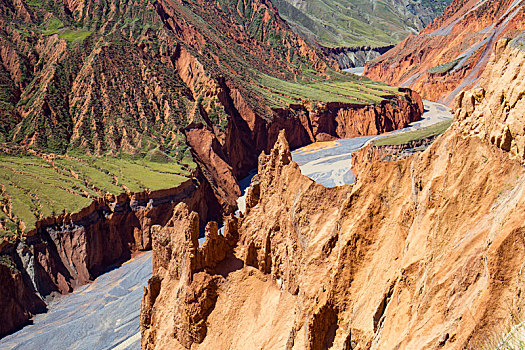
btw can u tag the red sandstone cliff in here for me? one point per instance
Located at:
(451, 54)
(425, 252)
(72, 249)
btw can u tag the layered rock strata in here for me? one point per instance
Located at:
(425, 252)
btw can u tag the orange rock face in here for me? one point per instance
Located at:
(421, 253)
(451, 54)
(72, 249)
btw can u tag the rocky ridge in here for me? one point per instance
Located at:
(451, 54)
(424, 252)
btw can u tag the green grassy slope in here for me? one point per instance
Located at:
(34, 187)
(335, 23)
(416, 135)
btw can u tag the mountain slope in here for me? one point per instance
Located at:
(155, 80)
(425, 252)
(351, 23)
(451, 54)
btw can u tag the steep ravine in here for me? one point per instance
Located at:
(225, 159)
(71, 250)
(421, 253)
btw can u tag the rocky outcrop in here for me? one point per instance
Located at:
(261, 263)
(373, 152)
(502, 105)
(18, 302)
(451, 54)
(424, 252)
(350, 57)
(183, 269)
(72, 249)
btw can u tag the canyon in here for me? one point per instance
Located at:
(122, 286)
(423, 252)
(412, 245)
(168, 80)
(71, 90)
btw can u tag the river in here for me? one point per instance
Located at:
(105, 314)
(328, 163)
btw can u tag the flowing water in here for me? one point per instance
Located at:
(104, 314)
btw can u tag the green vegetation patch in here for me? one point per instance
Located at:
(34, 187)
(55, 26)
(72, 35)
(406, 137)
(51, 26)
(281, 93)
(445, 67)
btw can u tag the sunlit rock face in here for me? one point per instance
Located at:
(424, 252)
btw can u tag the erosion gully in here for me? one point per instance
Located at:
(105, 313)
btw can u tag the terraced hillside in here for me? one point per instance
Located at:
(127, 96)
(351, 23)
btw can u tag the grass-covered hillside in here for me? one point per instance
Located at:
(95, 96)
(35, 186)
(350, 23)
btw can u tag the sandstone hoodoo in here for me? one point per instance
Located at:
(423, 252)
(451, 53)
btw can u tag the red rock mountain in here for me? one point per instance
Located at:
(214, 80)
(421, 253)
(451, 54)
(210, 80)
